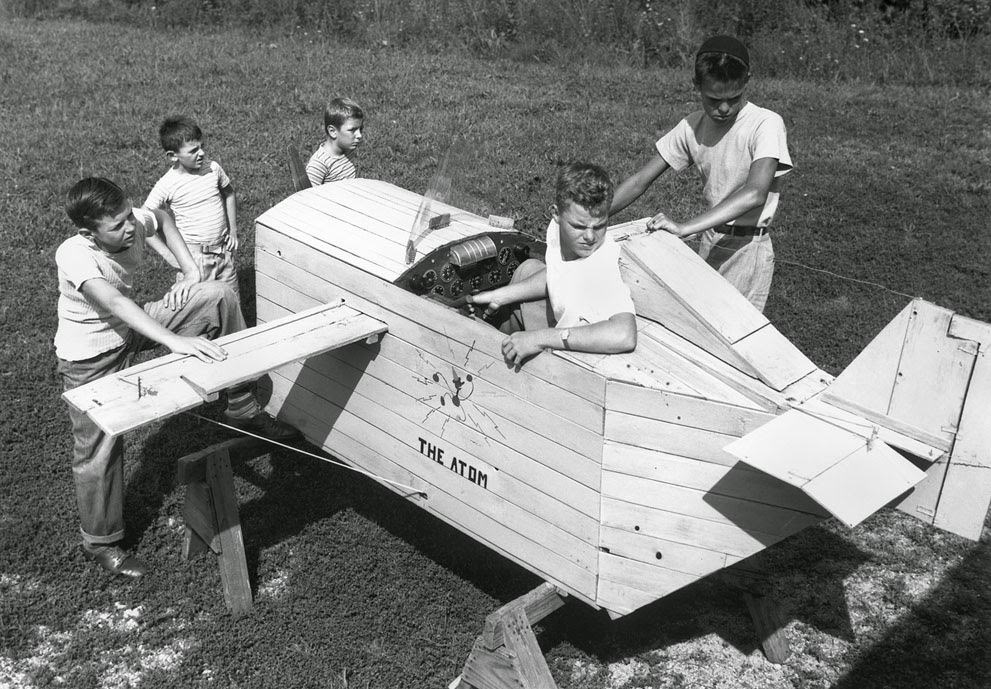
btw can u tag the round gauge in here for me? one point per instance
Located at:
(438, 290)
(475, 282)
(456, 288)
(446, 273)
(505, 255)
(429, 278)
(495, 276)
(511, 268)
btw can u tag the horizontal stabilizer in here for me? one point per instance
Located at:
(175, 383)
(850, 473)
(675, 287)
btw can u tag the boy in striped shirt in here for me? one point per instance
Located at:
(336, 158)
(199, 194)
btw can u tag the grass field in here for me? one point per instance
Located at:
(353, 587)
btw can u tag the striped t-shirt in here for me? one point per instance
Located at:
(195, 201)
(84, 329)
(325, 166)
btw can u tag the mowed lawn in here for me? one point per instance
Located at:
(355, 588)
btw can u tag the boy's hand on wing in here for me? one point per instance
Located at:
(663, 222)
(200, 347)
(232, 243)
(178, 294)
(519, 347)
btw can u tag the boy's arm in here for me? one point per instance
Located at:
(530, 289)
(178, 294)
(752, 194)
(102, 294)
(613, 336)
(230, 205)
(636, 184)
(156, 243)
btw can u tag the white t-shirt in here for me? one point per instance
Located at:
(724, 154)
(195, 201)
(84, 331)
(585, 290)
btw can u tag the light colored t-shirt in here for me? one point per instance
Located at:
(195, 201)
(724, 154)
(84, 330)
(324, 166)
(585, 290)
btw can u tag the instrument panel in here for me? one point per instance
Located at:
(453, 271)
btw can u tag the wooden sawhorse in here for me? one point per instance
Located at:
(507, 655)
(211, 515)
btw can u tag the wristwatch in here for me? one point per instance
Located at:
(565, 334)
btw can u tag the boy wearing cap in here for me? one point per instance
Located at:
(741, 151)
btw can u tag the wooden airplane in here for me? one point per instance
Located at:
(617, 479)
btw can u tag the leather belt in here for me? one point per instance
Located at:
(741, 230)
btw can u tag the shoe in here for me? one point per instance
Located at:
(115, 560)
(264, 425)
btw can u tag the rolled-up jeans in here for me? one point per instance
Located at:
(97, 465)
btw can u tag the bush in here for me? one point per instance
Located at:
(908, 41)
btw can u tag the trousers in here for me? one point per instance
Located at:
(97, 459)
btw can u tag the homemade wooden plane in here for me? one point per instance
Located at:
(617, 479)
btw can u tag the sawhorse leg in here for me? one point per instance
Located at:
(507, 655)
(764, 611)
(212, 521)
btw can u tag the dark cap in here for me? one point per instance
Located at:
(728, 45)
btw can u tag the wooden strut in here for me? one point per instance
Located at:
(506, 655)
(212, 521)
(769, 623)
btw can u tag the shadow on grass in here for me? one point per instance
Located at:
(943, 642)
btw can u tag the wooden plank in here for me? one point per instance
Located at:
(776, 360)
(685, 410)
(486, 529)
(233, 561)
(562, 527)
(932, 374)
(175, 383)
(820, 409)
(921, 502)
(868, 380)
(743, 514)
(432, 379)
(965, 328)
(198, 514)
(688, 559)
(738, 481)
(921, 436)
(751, 388)
(557, 497)
(303, 335)
(770, 625)
(689, 530)
(633, 584)
(412, 341)
(679, 270)
(966, 494)
(849, 475)
(379, 299)
(676, 439)
(664, 308)
(536, 605)
(619, 600)
(522, 644)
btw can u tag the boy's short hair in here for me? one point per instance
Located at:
(723, 59)
(92, 199)
(339, 110)
(584, 184)
(175, 131)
